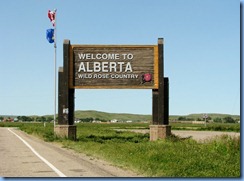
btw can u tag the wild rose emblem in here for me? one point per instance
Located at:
(146, 78)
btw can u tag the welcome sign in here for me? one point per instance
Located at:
(113, 67)
(110, 66)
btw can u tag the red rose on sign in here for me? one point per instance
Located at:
(147, 77)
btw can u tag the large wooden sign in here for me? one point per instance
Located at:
(109, 66)
(113, 67)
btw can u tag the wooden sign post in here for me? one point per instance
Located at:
(65, 127)
(160, 127)
(112, 67)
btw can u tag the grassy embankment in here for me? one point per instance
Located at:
(164, 158)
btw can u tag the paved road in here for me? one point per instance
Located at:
(23, 155)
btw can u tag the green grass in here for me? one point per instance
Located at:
(172, 157)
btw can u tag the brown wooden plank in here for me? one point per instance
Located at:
(161, 111)
(166, 101)
(113, 87)
(67, 100)
(156, 67)
(155, 120)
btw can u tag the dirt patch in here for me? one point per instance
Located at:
(196, 135)
(202, 135)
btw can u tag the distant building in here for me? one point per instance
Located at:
(8, 119)
(114, 121)
(77, 120)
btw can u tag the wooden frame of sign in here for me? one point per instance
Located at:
(113, 67)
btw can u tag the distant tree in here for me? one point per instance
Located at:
(181, 118)
(237, 120)
(19, 118)
(30, 119)
(102, 120)
(209, 118)
(217, 120)
(41, 119)
(86, 119)
(229, 119)
(25, 119)
(49, 119)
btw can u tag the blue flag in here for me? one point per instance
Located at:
(50, 35)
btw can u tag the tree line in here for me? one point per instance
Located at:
(34, 119)
(27, 119)
(227, 119)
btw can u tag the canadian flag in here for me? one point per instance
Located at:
(51, 15)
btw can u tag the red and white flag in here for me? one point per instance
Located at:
(51, 15)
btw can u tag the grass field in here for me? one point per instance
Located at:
(172, 157)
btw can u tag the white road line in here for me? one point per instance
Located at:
(60, 174)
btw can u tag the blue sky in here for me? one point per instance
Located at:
(202, 52)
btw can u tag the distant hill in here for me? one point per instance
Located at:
(139, 117)
(200, 115)
(133, 117)
(110, 116)
(215, 115)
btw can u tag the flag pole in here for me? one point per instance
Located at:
(55, 66)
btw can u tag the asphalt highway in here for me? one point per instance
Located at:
(22, 155)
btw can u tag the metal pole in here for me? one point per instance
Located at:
(55, 66)
(205, 116)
